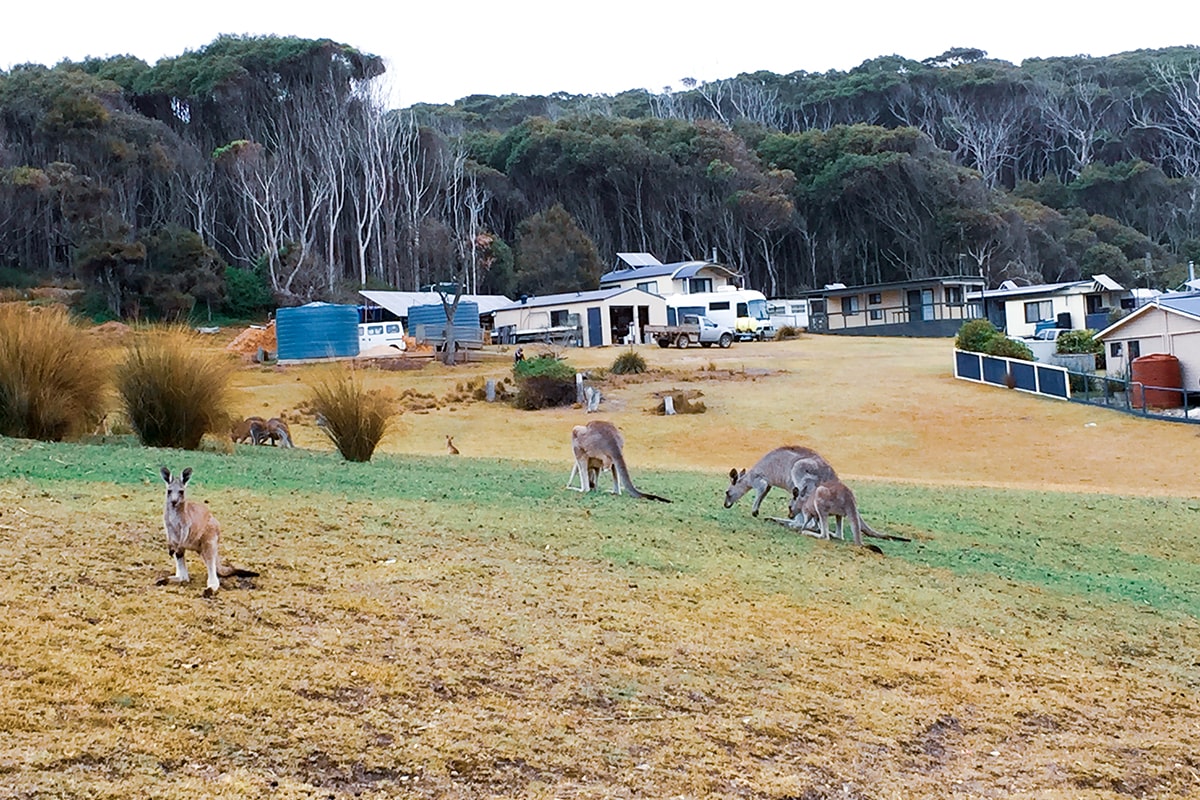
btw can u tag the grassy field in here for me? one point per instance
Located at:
(428, 626)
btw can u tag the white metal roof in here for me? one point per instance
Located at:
(399, 302)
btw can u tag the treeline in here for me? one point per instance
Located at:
(268, 170)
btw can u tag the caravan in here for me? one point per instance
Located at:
(743, 310)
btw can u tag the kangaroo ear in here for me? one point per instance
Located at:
(733, 474)
(166, 474)
(186, 474)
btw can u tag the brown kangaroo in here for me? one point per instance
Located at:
(278, 431)
(815, 500)
(450, 448)
(191, 526)
(596, 446)
(251, 429)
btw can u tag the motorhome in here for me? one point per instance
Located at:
(743, 310)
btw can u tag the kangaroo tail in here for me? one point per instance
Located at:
(230, 571)
(867, 530)
(627, 482)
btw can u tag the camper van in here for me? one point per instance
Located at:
(743, 310)
(376, 334)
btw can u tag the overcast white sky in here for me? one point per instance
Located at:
(440, 50)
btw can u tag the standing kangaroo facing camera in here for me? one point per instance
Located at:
(191, 526)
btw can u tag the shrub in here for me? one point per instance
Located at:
(629, 363)
(1002, 346)
(543, 382)
(786, 332)
(173, 391)
(975, 335)
(52, 379)
(1081, 342)
(353, 417)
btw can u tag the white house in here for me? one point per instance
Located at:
(1072, 304)
(1169, 324)
(591, 319)
(644, 271)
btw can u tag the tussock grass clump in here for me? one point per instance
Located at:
(353, 417)
(52, 379)
(629, 363)
(173, 391)
(786, 332)
(543, 382)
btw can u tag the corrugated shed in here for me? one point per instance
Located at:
(433, 316)
(317, 330)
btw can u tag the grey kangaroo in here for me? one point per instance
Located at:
(781, 467)
(596, 446)
(191, 526)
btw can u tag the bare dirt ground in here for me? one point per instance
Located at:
(878, 408)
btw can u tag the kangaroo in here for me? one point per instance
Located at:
(776, 468)
(251, 429)
(595, 465)
(450, 448)
(815, 500)
(278, 431)
(599, 444)
(191, 526)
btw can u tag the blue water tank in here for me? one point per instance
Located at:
(316, 330)
(466, 318)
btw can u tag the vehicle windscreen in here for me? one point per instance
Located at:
(758, 309)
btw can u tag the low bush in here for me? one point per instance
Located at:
(172, 390)
(543, 382)
(786, 332)
(1005, 347)
(354, 417)
(629, 363)
(975, 335)
(1081, 342)
(52, 380)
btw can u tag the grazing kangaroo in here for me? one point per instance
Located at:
(598, 445)
(251, 429)
(781, 467)
(191, 526)
(450, 448)
(816, 500)
(278, 431)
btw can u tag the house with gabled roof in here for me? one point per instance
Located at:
(644, 271)
(918, 307)
(1168, 324)
(584, 319)
(1021, 311)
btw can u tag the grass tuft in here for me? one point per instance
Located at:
(52, 381)
(354, 417)
(173, 391)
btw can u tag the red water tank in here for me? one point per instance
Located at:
(1159, 377)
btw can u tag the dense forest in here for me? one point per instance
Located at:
(262, 170)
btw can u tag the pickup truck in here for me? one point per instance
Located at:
(692, 328)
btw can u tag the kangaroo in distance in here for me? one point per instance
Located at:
(191, 526)
(820, 501)
(450, 448)
(278, 431)
(251, 429)
(781, 467)
(596, 446)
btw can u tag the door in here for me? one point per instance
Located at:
(920, 305)
(595, 331)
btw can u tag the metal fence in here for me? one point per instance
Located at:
(1170, 403)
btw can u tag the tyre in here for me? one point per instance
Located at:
(681, 341)
(725, 340)
(664, 342)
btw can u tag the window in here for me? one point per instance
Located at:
(817, 306)
(393, 328)
(876, 313)
(954, 295)
(1039, 311)
(723, 306)
(696, 285)
(850, 305)
(649, 286)
(1135, 350)
(1114, 349)
(374, 330)
(558, 319)
(875, 298)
